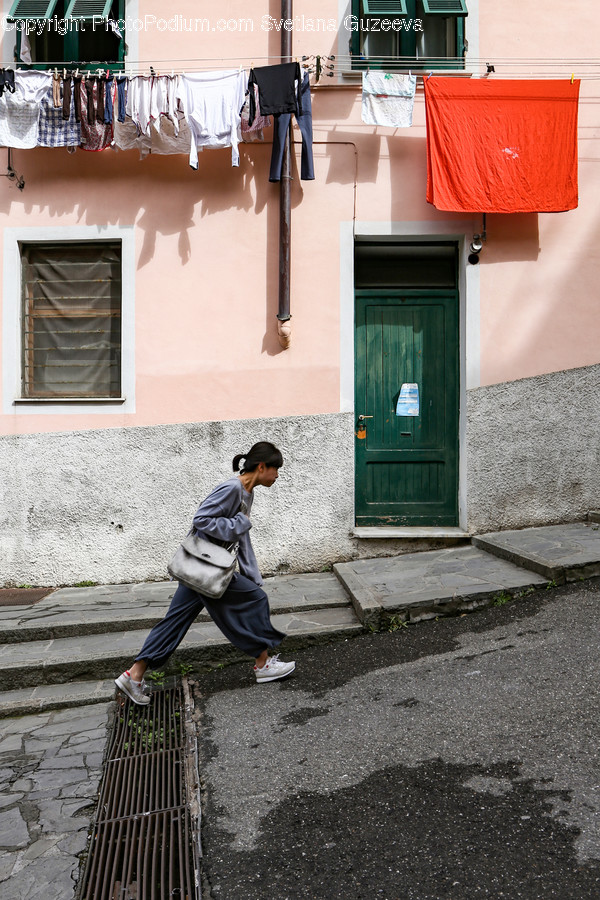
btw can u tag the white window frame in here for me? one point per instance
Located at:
(347, 74)
(12, 323)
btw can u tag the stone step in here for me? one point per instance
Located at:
(103, 656)
(557, 552)
(29, 701)
(419, 586)
(108, 608)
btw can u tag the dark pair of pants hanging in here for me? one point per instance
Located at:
(280, 130)
(282, 91)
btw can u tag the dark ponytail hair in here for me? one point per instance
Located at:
(264, 452)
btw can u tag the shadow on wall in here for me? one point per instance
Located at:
(160, 195)
(513, 237)
(550, 306)
(368, 148)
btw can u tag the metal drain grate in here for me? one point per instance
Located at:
(141, 845)
(142, 784)
(146, 729)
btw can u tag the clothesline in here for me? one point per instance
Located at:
(348, 64)
(163, 115)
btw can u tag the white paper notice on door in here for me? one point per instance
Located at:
(408, 401)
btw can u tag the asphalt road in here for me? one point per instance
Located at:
(451, 759)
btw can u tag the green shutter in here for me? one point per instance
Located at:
(445, 7)
(385, 8)
(32, 9)
(87, 9)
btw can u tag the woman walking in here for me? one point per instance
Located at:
(242, 613)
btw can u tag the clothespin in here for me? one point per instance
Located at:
(55, 72)
(77, 73)
(572, 77)
(64, 74)
(429, 76)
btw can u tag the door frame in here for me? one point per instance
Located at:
(455, 230)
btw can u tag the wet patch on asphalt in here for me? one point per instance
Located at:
(431, 832)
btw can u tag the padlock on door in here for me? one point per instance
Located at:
(361, 427)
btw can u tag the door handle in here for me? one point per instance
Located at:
(361, 417)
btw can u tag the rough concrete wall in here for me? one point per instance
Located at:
(534, 450)
(111, 505)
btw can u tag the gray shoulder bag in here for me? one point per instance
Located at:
(203, 566)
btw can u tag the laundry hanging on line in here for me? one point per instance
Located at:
(214, 111)
(388, 99)
(280, 132)
(154, 114)
(501, 146)
(254, 131)
(278, 89)
(20, 110)
(154, 120)
(282, 91)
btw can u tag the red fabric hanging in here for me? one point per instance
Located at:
(501, 146)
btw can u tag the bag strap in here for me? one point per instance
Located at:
(234, 545)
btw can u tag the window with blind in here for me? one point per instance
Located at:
(71, 315)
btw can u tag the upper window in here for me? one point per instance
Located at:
(70, 32)
(400, 34)
(71, 320)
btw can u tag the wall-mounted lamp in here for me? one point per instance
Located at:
(475, 248)
(476, 245)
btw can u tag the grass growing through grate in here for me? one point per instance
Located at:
(149, 729)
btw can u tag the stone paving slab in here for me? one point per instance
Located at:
(50, 769)
(22, 596)
(134, 607)
(436, 582)
(95, 657)
(29, 701)
(558, 552)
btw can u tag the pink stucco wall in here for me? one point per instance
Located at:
(207, 241)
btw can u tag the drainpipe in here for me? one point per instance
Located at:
(284, 326)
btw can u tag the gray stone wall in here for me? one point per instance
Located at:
(533, 450)
(111, 505)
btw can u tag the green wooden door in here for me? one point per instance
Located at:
(407, 466)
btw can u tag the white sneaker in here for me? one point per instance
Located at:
(273, 669)
(133, 689)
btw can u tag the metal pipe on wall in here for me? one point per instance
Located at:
(284, 327)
